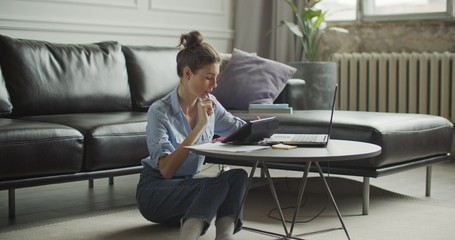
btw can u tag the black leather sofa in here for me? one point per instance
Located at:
(72, 112)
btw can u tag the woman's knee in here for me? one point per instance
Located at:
(236, 172)
(240, 174)
(237, 177)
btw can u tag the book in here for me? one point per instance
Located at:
(287, 110)
(268, 106)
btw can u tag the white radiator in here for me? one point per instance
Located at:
(397, 82)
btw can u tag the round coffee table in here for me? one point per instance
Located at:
(336, 150)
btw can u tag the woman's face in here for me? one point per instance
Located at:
(203, 81)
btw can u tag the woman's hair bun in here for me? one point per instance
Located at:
(191, 39)
(196, 53)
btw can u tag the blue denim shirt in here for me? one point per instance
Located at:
(167, 127)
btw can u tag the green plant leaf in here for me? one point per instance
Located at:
(308, 27)
(293, 6)
(312, 3)
(338, 29)
(294, 28)
(320, 19)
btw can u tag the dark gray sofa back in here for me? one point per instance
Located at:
(5, 103)
(50, 78)
(152, 73)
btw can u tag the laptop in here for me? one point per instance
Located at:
(311, 140)
(253, 131)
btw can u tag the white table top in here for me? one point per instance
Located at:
(336, 150)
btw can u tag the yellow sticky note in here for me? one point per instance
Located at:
(283, 146)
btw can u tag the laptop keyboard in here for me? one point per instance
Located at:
(309, 138)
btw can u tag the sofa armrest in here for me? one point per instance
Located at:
(293, 94)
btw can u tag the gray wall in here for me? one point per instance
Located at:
(135, 22)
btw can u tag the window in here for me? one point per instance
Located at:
(393, 7)
(340, 10)
(406, 9)
(378, 10)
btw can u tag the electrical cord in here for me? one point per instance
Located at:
(292, 207)
(303, 203)
(271, 211)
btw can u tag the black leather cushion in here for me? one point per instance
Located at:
(33, 149)
(5, 103)
(111, 139)
(152, 73)
(49, 78)
(403, 137)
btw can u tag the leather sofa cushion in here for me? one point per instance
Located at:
(51, 78)
(152, 73)
(33, 149)
(111, 140)
(5, 103)
(402, 136)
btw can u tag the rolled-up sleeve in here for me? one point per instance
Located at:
(158, 139)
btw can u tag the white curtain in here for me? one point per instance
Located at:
(257, 29)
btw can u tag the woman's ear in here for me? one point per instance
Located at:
(187, 74)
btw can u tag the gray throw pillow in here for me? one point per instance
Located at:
(248, 78)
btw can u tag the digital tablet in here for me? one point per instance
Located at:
(253, 131)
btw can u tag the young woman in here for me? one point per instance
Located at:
(167, 193)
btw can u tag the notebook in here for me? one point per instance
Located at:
(253, 131)
(313, 140)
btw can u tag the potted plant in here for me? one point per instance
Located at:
(308, 27)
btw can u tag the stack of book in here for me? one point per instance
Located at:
(270, 108)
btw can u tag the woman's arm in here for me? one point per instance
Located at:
(226, 123)
(169, 164)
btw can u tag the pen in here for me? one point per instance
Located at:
(207, 98)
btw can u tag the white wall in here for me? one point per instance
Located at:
(134, 22)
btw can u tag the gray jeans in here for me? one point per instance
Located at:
(169, 201)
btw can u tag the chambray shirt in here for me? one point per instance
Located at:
(167, 127)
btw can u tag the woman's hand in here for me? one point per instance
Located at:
(205, 110)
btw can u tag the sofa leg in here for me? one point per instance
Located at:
(111, 181)
(90, 183)
(366, 195)
(12, 202)
(428, 182)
